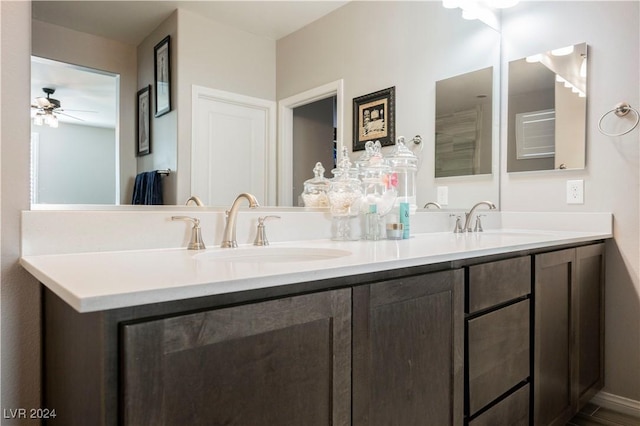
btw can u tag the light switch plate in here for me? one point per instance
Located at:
(443, 195)
(575, 191)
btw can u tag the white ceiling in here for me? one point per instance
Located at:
(130, 22)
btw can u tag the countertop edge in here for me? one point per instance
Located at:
(202, 289)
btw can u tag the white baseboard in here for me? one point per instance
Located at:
(617, 403)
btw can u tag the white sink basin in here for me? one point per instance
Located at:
(271, 254)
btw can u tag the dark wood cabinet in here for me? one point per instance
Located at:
(569, 289)
(407, 351)
(469, 342)
(590, 330)
(280, 362)
(498, 323)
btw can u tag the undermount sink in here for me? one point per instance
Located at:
(271, 254)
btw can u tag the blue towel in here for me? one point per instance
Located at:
(147, 189)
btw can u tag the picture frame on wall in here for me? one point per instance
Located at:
(374, 118)
(162, 75)
(143, 126)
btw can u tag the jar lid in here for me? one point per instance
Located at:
(395, 226)
(401, 156)
(318, 179)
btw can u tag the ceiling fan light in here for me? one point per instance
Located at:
(37, 120)
(51, 120)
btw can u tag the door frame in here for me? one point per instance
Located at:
(269, 109)
(285, 131)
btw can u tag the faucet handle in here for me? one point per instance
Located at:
(478, 226)
(196, 242)
(261, 235)
(457, 229)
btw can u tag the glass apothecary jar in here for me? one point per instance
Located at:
(345, 193)
(316, 189)
(404, 163)
(379, 195)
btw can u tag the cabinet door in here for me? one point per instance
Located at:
(590, 279)
(279, 362)
(555, 317)
(408, 351)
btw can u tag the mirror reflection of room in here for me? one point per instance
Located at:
(73, 134)
(464, 122)
(547, 107)
(271, 67)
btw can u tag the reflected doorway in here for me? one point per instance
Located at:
(314, 140)
(74, 139)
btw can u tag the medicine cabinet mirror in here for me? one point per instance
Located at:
(547, 104)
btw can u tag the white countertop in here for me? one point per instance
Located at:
(98, 281)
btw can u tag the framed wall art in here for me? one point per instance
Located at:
(162, 73)
(374, 118)
(143, 145)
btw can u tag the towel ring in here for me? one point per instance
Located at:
(620, 110)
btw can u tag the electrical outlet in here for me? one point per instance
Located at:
(443, 195)
(575, 191)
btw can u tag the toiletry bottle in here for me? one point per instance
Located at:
(372, 223)
(405, 210)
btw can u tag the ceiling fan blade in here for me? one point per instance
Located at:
(75, 110)
(70, 116)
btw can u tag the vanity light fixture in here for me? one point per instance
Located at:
(563, 51)
(481, 10)
(583, 67)
(533, 58)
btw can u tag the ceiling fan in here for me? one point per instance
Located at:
(47, 108)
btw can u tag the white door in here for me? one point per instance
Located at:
(233, 147)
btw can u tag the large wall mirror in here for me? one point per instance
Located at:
(415, 45)
(547, 109)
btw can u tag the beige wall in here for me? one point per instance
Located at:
(20, 301)
(611, 178)
(73, 47)
(219, 57)
(164, 129)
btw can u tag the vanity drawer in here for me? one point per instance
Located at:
(512, 411)
(493, 283)
(498, 357)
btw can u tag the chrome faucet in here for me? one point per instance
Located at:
(229, 234)
(468, 216)
(195, 199)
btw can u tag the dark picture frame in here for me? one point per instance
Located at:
(374, 118)
(162, 76)
(143, 124)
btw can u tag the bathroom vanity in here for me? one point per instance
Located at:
(499, 328)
